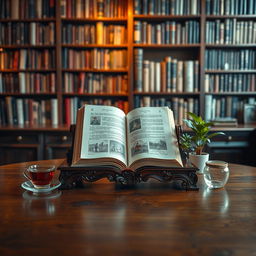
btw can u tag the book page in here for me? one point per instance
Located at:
(104, 133)
(151, 134)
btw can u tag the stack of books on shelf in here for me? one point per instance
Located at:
(232, 7)
(98, 33)
(226, 107)
(95, 83)
(166, 32)
(225, 122)
(94, 59)
(27, 9)
(89, 9)
(173, 7)
(170, 75)
(28, 112)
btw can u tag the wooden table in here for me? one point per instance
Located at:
(152, 219)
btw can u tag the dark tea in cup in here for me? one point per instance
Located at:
(40, 175)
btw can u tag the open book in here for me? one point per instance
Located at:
(105, 136)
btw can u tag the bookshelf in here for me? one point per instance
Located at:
(98, 40)
(28, 63)
(57, 55)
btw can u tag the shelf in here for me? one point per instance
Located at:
(36, 128)
(93, 20)
(230, 45)
(230, 71)
(237, 16)
(167, 93)
(95, 45)
(114, 95)
(18, 46)
(165, 17)
(26, 70)
(19, 94)
(166, 45)
(28, 20)
(96, 70)
(231, 93)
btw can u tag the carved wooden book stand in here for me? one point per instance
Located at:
(70, 177)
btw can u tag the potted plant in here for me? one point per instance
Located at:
(193, 145)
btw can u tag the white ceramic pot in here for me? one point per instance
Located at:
(199, 160)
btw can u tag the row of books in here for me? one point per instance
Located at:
(17, 111)
(95, 58)
(98, 33)
(170, 75)
(33, 33)
(179, 106)
(230, 83)
(166, 7)
(22, 59)
(230, 7)
(169, 32)
(24, 9)
(27, 83)
(230, 59)
(230, 31)
(93, 8)
(71, 106)
(219, 107)
(94, 83)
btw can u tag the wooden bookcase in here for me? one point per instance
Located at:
(126, 18)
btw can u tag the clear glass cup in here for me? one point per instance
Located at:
(40, 176)
(216, 173)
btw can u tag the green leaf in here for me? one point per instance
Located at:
(195, 117)
(215, 134)
(201, 133)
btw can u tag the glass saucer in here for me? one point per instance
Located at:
(29, 186)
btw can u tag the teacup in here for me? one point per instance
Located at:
(40, 176)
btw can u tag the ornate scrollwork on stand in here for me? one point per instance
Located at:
(184, 178)
(73, 178)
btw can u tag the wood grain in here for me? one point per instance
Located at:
(151, 219)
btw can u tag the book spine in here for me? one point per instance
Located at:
(138, 62)
(146, 77)
(158, 77)
(189, 76)
(54, 111)
(208, 107)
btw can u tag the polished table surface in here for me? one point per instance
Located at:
(151, 219)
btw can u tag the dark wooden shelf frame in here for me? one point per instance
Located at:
(231, 93)
(165, 17)
(25, 46)
(238, 17)
(116, 46)
(114, 95)
(41, 20)
(168, 93)
(230, 45)
(221, 71)
(22, 95)
(28, 70)
(91, 70)
(167, 46)
(96, 19)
